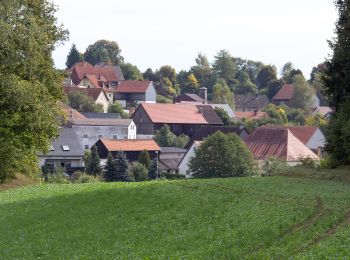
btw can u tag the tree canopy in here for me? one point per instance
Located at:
(104, 51)
(73, 57)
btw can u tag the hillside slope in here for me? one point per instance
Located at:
(221, 218)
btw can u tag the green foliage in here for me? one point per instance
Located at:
(131, 72)
(121, 168)
(274, 166)
(167, 72)
(81, 177)
(244, 86)
(273, 87)
(83, 102)
(266, 75)
(29, 84)
(73, 57)
(144, 159)
(116, 107)
(303, 93)
(103, 51)
(165, 138)
(153, 170)
(57, 176)
(92, 165)
(222, 155)
(162, 99)
(286, 70)
(296, 116)
(225, 118)
(222, 93)
(277, 114)
(149, 75)
(139, 171)
(224, 67)
(292, 74)
(110, 173)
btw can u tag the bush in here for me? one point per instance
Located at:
(82, 177)
(58, 175)
(172, 176)
(138, 171)
(327, 162)
(273, 166)
(307, 161)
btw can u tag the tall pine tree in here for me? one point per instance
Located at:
(121, 167)
(93, 166)
(153, 170)
(110, 169)
(144, 158)
(73, 57)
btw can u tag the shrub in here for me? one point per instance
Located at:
(273, 166)
(139, 171)
(86, 178)
(327, 162)
(57, 176)
(307, 161)
(172, 176)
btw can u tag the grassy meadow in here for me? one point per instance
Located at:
(217, 218)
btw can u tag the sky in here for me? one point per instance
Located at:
(153, 33)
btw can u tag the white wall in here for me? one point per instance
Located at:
(151, 94)
(183, 167)
(103, 101)
(317, 140)
(132, 131)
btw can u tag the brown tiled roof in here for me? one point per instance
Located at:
(101, 122)
(133, 86)
(249, 101)
(209, 114)
(250, 115)
(71, 113)
(303, 133)
(91, 92)
(80, 70)
(265, 142)
(188, 97)
(130, 145)
(285, 93)
(93, 79)
(169, 164)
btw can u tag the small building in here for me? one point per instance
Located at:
(89, 130)
(326, 112)
(65, 151)
(284, 95)
(131, 148)
(181, 118)
(250, 103)
(133, 92)
(98, 95)
(207, 130)
(184, 98)
(170, 158)
(183, 167)
(277, 142)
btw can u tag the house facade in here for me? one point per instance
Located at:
(169, 158)
(183, 167)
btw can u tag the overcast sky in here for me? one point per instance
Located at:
(153, 33)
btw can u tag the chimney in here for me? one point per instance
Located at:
(255, 112)
(203, 93)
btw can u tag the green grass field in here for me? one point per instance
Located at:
(217, 218)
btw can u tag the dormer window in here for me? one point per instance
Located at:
(65, 148)
(52, 148)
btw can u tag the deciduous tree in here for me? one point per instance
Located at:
(104, 51)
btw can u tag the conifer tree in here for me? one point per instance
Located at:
(110, 169)
(144, 158)
(153, 170)
(121, 167)
(73, 57)
(93, 166)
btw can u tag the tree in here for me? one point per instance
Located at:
(131, 72)
(192, 82)
(286, 70)
(149, 75)
(116, 107)
(121, 167)
(83, 102)
(104, 51)
(244, 86)
(277, 114)
(222, 155)
(180, 141)
(73, 57)
(93, 166)
(303, 93)
(225, 67)
(167, 71)
(222, 93)
(265, 76)
(164, 137)
(292, 74)
(29, 84)
(153, 169)
(273, 87)
(139, 171)
(110, 169)
(225, 118)
(144, 158)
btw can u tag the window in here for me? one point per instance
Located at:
(65, 148)
(86, 147)
(85, 136)
(115, 137)
(52, 148)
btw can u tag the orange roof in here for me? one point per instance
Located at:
(130, 145)
(91, 92)
(72, 113)
(133, 86)
(250, 115)
(174, 113)
(285, 93)
(303, 133)
(277, 142)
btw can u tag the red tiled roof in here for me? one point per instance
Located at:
(250, 115)
(72, 113)
(93, 79)
(265, 142)
(303, 133)
(133, 86)
(174, 113)
(285, 93)
(91, 92)
(130, 145)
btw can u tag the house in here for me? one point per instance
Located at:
(326, 112)
(170, 158)
(206, 130)
(277, 142)
(89, 130)
(100, 115)
(256, 115)
(250, 103)
(183, 167)
(131, 148)
(311, 136)
(65, 151)
(188, 98)
(98, 95)
(98, 76)
(181, 118)
(284, 95)
(132, 92)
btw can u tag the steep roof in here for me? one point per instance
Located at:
(133, 86)
(169, 164)
(285, 93)
(206, 130)
(303, 133)
(68, 138)
(113, 145)
(265, 142)
(323, 110)
(250, 101)
(80, 70)
(180, 113)
(91, 92)
(188, 97)
(225, 107)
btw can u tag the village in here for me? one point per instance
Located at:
(133, 130)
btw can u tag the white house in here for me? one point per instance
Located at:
(183, 167)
